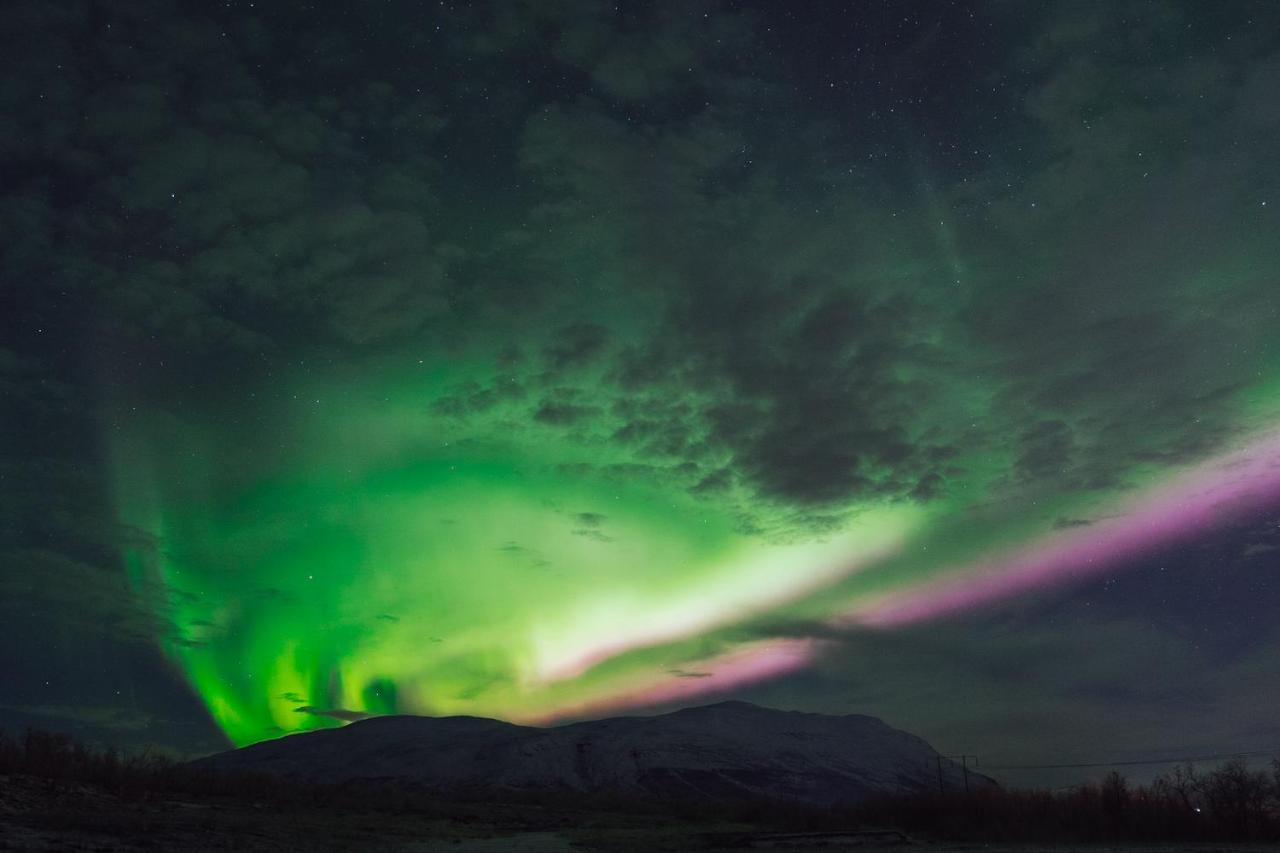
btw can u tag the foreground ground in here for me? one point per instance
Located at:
(44, 815)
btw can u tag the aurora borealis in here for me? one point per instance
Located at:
(432, 577)
(543, 360)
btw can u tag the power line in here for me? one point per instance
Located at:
(1185, 759)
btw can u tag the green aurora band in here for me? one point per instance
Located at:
(472, 577)
(482, 572)
(360, 547)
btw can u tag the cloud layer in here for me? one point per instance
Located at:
(685, 283)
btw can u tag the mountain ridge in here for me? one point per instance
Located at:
(729, 750)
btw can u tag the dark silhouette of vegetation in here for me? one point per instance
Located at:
(58, 757)
(1230, 803)
(62, 760)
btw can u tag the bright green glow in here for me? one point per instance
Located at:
(469, 578)
(366, 552)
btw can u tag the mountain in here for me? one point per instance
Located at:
(726, 751)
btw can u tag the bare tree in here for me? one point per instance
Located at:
(1115, 797)
(1181, 786)
(1237, 797)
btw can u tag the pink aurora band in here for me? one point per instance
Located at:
(1207, 496)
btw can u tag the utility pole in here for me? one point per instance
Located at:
(942, 789)
(964, 768)
(964, 765)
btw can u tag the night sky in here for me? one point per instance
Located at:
(548, 359)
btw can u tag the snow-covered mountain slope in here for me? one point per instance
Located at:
(730, 750)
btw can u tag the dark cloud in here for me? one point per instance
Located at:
(643, 53)
(1257, 549)
(1046, 451)
(472, 398)
(716, 481)
(84, 595)
(563, 414)
(820, 413)
(1107, 321)
(576, 346)
(343, 714)
(194, 226)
